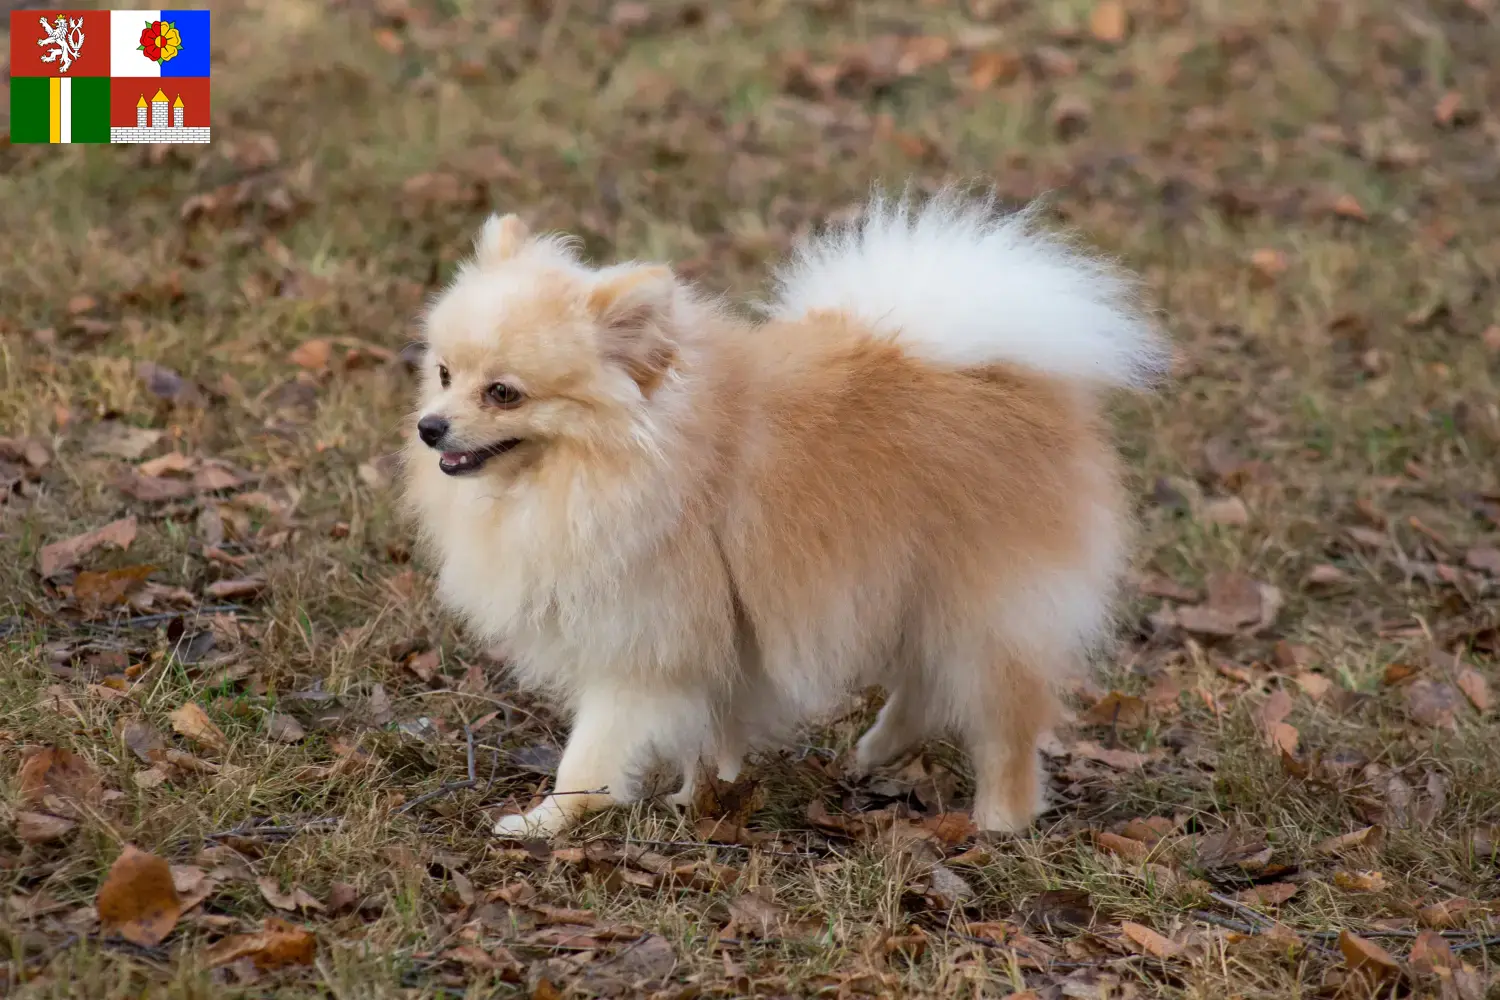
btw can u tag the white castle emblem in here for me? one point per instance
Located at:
(166, 123)
(66, 36)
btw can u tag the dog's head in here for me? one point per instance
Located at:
(528, 349)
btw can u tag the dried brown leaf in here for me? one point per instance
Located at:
(41, 828)
(1367, 958)
(1120, 760)
(138, 899)
(1370, 837)
(1109, 22)
(66, 554)
(59, 778)
(284, 728)
(314, 355)
(276, 944)
(1371, 881)
(296, 899)
(755, 914)
(1451, 913)
(1270, 894)
(951, 828)
(1433, 703)
(143, 740)
(1116, 709)
(1315, 686)
(1430, 952)
(236, 590)
(109, 587)
(1123, 847)
(1150, 941)
(1485, 559)
(1475, 687)
(191, 721)
(992, 69)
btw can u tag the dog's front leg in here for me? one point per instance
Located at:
(614, 730)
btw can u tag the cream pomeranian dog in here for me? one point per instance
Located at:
(698, 533)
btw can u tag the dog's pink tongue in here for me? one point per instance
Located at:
(454, 457)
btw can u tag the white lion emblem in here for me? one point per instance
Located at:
(66, 35)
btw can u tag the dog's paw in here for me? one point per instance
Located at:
(542, 822)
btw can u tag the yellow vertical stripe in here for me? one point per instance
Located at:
(54, 102)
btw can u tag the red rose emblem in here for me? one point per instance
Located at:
(151, 41)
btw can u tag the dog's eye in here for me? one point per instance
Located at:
(503, 395)
(443, 377)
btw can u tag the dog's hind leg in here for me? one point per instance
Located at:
(1009, 710)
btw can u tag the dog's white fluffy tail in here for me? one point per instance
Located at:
(958, 283)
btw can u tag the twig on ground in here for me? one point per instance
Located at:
(450, 787)
(252, 828)
(1485, 943)
(1250, 913)
(1228, 923)
(1462, 940)
(1042, 961)
(701, 845)
(165, 616)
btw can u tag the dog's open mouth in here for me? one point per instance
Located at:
(461, 463)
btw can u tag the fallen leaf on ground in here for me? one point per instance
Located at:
(1433, 703)
(1235, 603)
(1124, 847)
(144, 741)
(238, 589)
(193, 885)
(1346, 206)
(1314, 685)
(1149, 940)
(284, 729)
(1431, 952)
(314, 355)
(1360, 881)
(59, 778)
(41, 828)
(1268, 264)
(276, 944)
(1476, 688)
(99, 590)
(1451, 913)
(1115, 709)
(1120, 760)
(1270, 894)
(1109, 22)
(1485, 559)
(297, 899)
(1231, 848)
(1366, 958)
(120, 440)
(1227, 512)
(63, 555)
(990, 69)
(1059, 909)
(1370, 837)
(755, 914)
(138, 899)
(191, 721)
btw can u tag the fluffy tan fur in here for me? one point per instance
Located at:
(706, 532)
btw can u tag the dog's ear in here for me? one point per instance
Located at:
(499, 239)
(633, 309)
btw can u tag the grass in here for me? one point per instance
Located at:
(1314, 217)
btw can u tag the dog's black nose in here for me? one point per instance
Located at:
(431, 429)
